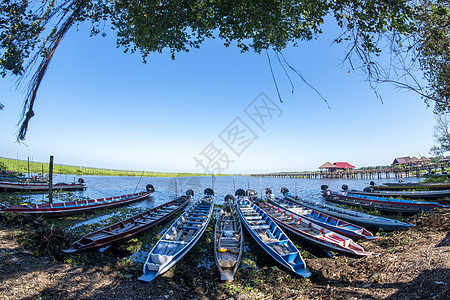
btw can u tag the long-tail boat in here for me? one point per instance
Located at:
(228, 239)
(26, 186)
(181, 236)
(131, 226)
(366, 220)
(405, 194)
(311, 232)
(323, 219)
(418, 186)
(68, 208)
(270, 237)
(380, 203)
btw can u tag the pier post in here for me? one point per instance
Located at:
(50, 180)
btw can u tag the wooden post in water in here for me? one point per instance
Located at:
(50, 180)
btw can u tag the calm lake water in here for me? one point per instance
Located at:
(166, 188)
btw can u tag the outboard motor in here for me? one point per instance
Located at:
(251, 193)
(324, 187)
(344, 187)
(190, 193)
(284, 190)
(150, 188)
(240, 193)
(209, 192)
(229, 198)
(368, 190)
(80, 180)
(372, 183)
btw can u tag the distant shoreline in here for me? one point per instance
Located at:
(21, 166)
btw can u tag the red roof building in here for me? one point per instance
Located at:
(337, 166)
(344, 165)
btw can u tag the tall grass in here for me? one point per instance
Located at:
(21, 166)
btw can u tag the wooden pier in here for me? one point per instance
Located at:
(394, 172)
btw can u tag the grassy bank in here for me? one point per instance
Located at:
(21, 166)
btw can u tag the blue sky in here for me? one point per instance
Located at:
(100, 107)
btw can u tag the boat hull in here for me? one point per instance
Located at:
(228, 242)
(430, 195)
(313, 233)
(366, 220)
(126, 228)
(293, 260)
(73, 207)
(38, 187)
(383, 204)
(328, 221)
(181, 236)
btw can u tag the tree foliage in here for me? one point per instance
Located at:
(441, 135)
(414, 34)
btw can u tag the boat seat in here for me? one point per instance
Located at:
(196, 218)
(108, 232)
(227, 263)
(194, 222)
(259, 222)
(228, 233)
(254, 218)
(190, 228)
(140, 222)
(260, 227)
(199, 214)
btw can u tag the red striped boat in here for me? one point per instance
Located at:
(311, 232)
(75, 207)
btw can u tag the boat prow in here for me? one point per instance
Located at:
(270, 237)
(149, 276)
(227, 276)
(179, 238)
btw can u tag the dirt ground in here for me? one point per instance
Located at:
(408, 264)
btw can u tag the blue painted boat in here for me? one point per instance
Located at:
(270, 237)
(408, 194)
(323, 219)
(369, 221)
(311, 232)
(181, 236)
(380, 203)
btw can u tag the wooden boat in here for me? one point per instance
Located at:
(75, 207)
(6, 186)
(402, 186)
(383, 204)
(409, 194)
(228, 239)
(369, 221)
(322, 219)
(270, 237)
(131, 226)
(181, 236)
(311, 232)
